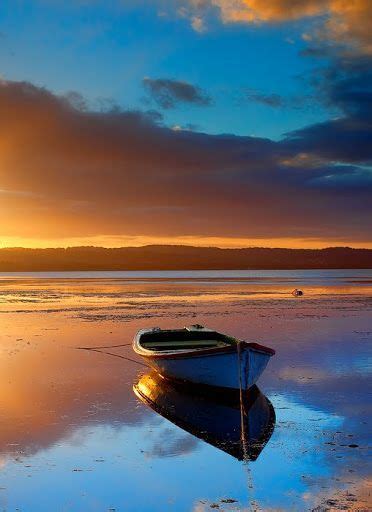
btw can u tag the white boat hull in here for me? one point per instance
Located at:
(233, 364)
(227, 370)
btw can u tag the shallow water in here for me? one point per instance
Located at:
(74, 436)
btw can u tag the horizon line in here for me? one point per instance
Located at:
(183, 246)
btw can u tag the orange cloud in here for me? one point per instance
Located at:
(345, 20)
(67, 172)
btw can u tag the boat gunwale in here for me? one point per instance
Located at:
(196, 352)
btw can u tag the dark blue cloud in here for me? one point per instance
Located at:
(168, 93)
(346, 86)
(270, 100)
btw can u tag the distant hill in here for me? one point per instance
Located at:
(177, 257)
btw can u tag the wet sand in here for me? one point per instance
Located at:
(73, 435)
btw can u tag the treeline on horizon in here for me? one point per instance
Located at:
(168, 257)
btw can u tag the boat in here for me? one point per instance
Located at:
(214, 416)
(203, 356)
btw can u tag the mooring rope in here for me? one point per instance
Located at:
(98, 349)
(244, 418)
(242, 408)
(104, 346)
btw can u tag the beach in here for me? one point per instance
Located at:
(74, 436)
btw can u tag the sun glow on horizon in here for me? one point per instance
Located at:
(140, 241)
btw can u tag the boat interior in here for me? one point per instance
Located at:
(183, 339)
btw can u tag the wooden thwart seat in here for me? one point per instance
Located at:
(182, 344)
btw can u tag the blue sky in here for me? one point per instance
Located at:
(103, 50)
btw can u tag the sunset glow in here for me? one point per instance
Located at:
(138, 241)
(178, 142)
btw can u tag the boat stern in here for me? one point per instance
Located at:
(253, 359)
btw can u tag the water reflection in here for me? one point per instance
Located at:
(240, 428)
(69, 420)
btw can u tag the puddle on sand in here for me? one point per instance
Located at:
(74, 436)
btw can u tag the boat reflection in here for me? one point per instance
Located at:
(239, 426)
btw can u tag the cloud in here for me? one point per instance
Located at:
(168, 93)
(169, 443)
(270, 100)
(345, 85)
(103, 173)
(339, 20)
(274, 100)
(197, 24)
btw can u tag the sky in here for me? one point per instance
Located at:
(207, 122)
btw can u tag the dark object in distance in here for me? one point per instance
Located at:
(297, 293)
